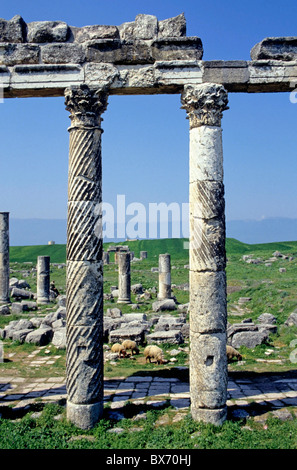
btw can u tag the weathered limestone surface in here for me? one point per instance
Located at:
(4, 257)
(164, 277)
(43, 279)
(208, 310)
(84, 284)
(282, 48)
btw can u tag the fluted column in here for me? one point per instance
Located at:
(164, 277)
(124, 278)
(43, 279)
(4, 257)
(208, 310)
(84, 286)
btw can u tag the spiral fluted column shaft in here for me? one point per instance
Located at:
(84, 285)
(208, 310)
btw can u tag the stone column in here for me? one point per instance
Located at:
(84, 284)
(143, 254)
(164, 277)
(105, 257)
(4, 258)
(208, 310)
(43, 279)
(124, 278)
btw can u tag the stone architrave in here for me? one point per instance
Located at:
(43, 279)
(124, 278)
(164, 277)
(84, 284)
(208, 310)
(4, 257)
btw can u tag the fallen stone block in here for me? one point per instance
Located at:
(21, 293)
(42, 336)
(59, 338)
(171, 337)
(4, 310)
(20, 335)
(161, 305)
(136, 334)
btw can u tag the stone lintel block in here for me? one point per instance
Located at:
(87, 33)
(172, 27)
(211, 416)
(178, 72)
(146, 27)
(206, 154)
(13, 54)
(113, 51)
(47, 31)
(27, 76)
(208, 304)
(4, 76)
(177, 49)
(62, 53)
(226, 72)
(84, 416)
(100, 73)
(208, 370)
(135, 76)
(207, 244)
(84, 228)
(207, 199)
(277, 48)
(12, 31)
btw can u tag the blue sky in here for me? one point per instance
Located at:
(145, 140)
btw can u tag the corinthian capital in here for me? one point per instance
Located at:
(204, 104)
(85, 105)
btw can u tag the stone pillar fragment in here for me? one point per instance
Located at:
(4, 257)
(164, 277)
(208, 309)
(124, 278)
(84, 284)
(43, 279)
(105, 257)
(143, 254)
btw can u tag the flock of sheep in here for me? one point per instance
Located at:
(155, 353)
(150, 352)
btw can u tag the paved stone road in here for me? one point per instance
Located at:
(268, 391)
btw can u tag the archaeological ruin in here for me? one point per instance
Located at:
(145, 56)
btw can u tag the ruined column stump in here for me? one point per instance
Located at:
(84, 284)
(164, 277)
(43, 279)
(208, 308)
(124, 278)
(4, 258)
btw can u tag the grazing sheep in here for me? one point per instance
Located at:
(130, 345)
(118, 348)
(232, 353)
(154, 352)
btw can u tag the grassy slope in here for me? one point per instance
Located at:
(174, 246)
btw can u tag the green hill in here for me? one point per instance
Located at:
(177, 247)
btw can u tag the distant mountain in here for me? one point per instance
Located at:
(24, 232)
(40, 231)
(274, 229)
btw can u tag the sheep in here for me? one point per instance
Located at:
(154, 352)
(232, 353)
(118, 348)
(130, 345)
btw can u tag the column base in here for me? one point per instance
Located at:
(215, 416)
(123, 301)
(84, 416)
(43, 301)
